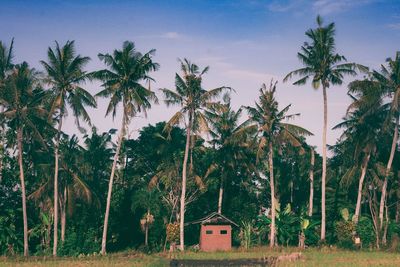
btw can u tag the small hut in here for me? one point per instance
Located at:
(215, 232)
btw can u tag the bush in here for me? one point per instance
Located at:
(246, 235)
(365, 230)
(344, 233)
(173, 232)
(10, 243)
(86, 242)
(312, 233)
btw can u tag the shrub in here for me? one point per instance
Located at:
(247, 235)
(9, 241)
(365, 230)
(80, 242)
(173, 232)
(344, 233)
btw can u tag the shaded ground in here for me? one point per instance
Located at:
(310, 257)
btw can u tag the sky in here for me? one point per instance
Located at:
(245, 43)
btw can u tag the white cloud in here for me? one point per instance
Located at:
(244, 74)
(171, 35)
(284, 6)
(165, 35)
(322, 7)
(394, 26)
(232, 72)
(325, 7)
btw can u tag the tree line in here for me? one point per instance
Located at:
(256, 169)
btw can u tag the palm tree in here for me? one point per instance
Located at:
(193, 100)
(65, 75)
(6, 56)
(311, 178)
(389, 79)
(363, 123)
(273, 133)
(98, 153)
(231, 139)
(122, 83)
(22, 101)
(323, 65)
(72, 183)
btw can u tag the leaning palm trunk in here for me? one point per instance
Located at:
(323, 211)
(310, 202)
(372, 201)
(360, 187)
(63, 211)
(183, 194)
(1, 159)
(384, 236)
(110, 185)
(387, 173)
(221, 194)
(1, 146)
(273, 208)
(56, 156)
(22, 178)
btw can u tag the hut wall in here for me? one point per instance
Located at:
(215, 237)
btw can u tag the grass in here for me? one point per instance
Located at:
(311, 257)
(348, 258)
(129, 258)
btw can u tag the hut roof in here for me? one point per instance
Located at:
(214, 218)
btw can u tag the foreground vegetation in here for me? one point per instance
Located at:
(107, 191)
(310, 257)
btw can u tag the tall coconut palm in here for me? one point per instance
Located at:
(22, 101)
(389, 79)
(323, 65)
(6, 56)
(65, 75)
(127, 69)
(231, 139)
(72, 184)
(363, 124)
(193, 100)
(311, 178)
(273, 132)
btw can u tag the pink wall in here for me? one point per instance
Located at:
(216, 240)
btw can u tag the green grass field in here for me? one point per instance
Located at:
(310, 257)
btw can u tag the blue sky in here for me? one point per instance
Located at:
(245, 43)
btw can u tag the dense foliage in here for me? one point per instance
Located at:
(250, 164)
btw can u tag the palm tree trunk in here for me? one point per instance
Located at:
(388, 168)
(63, 215)
(146, 235)
(371, 201)
(272, 186)
(22, 178)
(221, 194)
(1, 146)
(183, 194)
(323, 211)
(1, 160)
(56, 156)
(48, 232)
(384, 236)
(360, 187)
(311, 201)
(110, 185)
